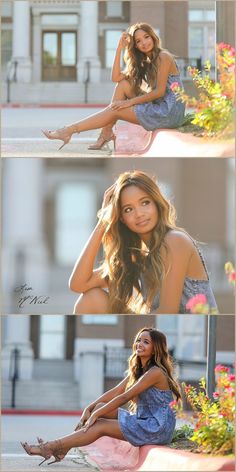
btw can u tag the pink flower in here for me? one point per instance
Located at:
(199, 299)
(174, 86)
(221, 368)
(187, 389)
(231, 377)
(173, 404)
(216, 394)
(232, 276)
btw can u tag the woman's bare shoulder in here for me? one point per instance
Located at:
(165, 55)
(178, 239)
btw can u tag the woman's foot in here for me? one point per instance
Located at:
(64, 134)
(45, 450)
(103, 139)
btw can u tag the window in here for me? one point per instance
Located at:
(202, 34)
(52, 336)
(112, 39)
(114, 9)
(185, 334)
(100, 319)
(75, 216)
(6, 41)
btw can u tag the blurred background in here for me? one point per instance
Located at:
(57, 362)
(49, 210)
(63, 51)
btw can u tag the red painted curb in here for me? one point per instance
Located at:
(54, 105)
(7, 411)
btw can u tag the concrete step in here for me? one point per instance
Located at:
(58, 92)
(53, 370)
(42, 394)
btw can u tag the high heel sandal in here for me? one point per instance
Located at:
(101, 141)
(45, 451)
(63, 134)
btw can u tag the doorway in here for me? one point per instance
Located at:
(59, 56)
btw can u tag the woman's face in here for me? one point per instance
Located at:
(144, 346)
(138, 211)
(143, 41)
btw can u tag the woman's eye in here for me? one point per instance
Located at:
(146, 202)
(127, 210)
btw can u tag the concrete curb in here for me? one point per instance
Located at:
(163, 458)
(114, 455)
(133, 140)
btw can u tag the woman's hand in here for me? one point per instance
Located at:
(85, 416)
(121, 104)
(107, 196)
(124, 40)
(92, 419)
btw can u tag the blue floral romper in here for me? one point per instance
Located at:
(153, 422)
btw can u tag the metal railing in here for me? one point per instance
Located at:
(11, 77)
(14, 374)
(86, 80)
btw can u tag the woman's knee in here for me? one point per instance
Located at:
(93, 301)
(125, 86)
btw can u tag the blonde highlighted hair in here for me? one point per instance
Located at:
(125, 257)
(160, 358)
(139, 66)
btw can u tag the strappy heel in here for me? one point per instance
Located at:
(62, 134)
(45, 451)
(102, 141)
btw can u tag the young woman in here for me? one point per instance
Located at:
(150, 265)
(149, 387)
(143, 93)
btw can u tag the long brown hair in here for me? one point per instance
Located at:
(160, 358)
(139, 66)
(125, 257)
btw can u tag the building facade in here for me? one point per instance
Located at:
(65, 362)
(63, 49)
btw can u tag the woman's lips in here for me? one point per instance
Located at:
(142, 223)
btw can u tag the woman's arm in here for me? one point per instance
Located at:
(110, 394)
(164, 67)
(116, 74)
(176, 261)
(106, 397)
(83, 276)
(149, 379)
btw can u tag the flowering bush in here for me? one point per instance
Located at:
(230, 272)
(215, 104)
(199, 305)
(215, 419)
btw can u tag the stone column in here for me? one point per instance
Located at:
(21, 40)
(88, 42)
(17, 334)
(91, 383)
(37, 47)
(24, 253)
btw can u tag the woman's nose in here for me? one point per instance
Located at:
(138, 211)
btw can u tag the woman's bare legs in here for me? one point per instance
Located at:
(98, 120)
(122, 91)
(94, 301)
(112, 415)
(102, 427)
